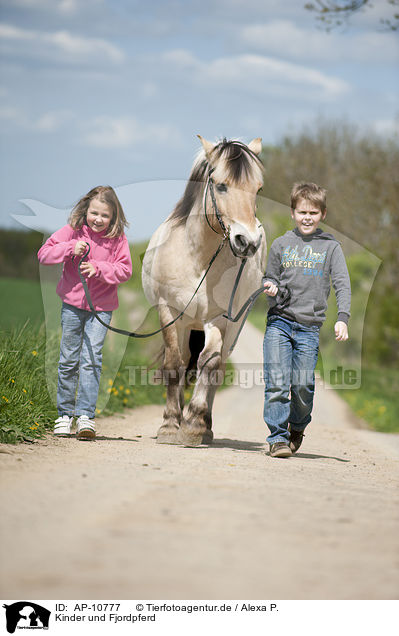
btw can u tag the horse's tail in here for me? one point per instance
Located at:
(196, 344)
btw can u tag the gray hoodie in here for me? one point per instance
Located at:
(301, 267)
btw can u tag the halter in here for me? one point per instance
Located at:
(209, 186)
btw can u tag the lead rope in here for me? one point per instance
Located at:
(133, 334)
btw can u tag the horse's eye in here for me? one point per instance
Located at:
(221, 187)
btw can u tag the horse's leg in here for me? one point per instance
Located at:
(196, 427)
(173, 378)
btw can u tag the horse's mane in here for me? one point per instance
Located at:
(239, 163)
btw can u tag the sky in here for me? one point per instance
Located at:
(115, 92)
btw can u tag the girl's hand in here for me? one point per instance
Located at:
(80, 248)
(270, 288)
(87, 269)
(341, 330)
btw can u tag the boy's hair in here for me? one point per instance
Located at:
(107, 195)
(311, 192)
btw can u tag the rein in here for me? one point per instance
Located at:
(133, 334)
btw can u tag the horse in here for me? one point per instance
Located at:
(211, 229)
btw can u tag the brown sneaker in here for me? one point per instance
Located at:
(280, 449)
(296, 440)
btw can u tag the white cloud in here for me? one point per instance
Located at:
(58, 45)
(287, 39)
(48, 122)
(15, 116)
(257, 73)
(124, 132)
(52, 121)
(101, 132)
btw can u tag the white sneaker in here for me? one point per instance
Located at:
(62, 426)
(86, 428)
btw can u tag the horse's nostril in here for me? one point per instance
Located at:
(241, 242)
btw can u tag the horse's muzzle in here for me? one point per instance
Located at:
(242, 246)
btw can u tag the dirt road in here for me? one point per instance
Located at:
(125, 518)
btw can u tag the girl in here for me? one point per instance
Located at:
(97, 221)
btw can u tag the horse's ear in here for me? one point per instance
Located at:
(256, 145)
(207, 145)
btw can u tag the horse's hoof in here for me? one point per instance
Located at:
(168, 435)
(192, 437)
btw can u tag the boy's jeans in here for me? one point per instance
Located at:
(290, 353)
(80, 360)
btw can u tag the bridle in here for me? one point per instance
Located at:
(210, 187)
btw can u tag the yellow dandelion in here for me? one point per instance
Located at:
(121, 387)
(30, 402)
(5, 398)
(12, 380)
(23, 390)
(34, 352)
(110, 382)
(109, 390)
(127, 391)
(124, 401)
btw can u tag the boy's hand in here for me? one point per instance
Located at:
(270, 288)
(341, 330)
(87, 269)
(80, 248)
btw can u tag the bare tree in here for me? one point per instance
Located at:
(335, 13)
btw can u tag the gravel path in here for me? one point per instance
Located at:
(125, 518)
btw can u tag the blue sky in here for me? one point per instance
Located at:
(101, 92)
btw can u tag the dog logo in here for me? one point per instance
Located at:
(26, 615)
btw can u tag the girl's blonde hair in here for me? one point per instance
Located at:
(107, 195)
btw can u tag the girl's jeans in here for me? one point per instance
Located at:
(80, 363)
(290, 353)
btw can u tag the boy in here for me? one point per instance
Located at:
(298, 281)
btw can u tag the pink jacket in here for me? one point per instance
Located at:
(110, 257)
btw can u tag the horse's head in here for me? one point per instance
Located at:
(234, 175)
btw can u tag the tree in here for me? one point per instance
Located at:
(334, 13)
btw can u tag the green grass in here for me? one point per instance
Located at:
(26, 410)
(23, 302)
(377, 399)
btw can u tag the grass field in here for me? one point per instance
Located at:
(23, 301)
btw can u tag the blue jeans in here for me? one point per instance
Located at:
(290, 352)
(80, 362)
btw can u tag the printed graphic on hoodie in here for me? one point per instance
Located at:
(311, 261)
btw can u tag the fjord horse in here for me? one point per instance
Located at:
(216, 212)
